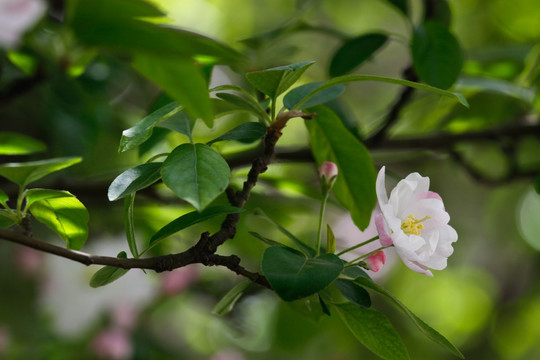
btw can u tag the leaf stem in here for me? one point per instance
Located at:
(321, 216)
(358, 245)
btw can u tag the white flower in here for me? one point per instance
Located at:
(414, 220)
(17, 16)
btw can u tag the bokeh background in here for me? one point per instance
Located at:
(488, 299)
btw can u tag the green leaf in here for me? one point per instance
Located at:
(226, 304)
(196, 173)
(355, 272)
(294, 276)
(324, 307)
(275, 81)
(440, 13)
(66, 216)
(247, 132)
(129, 224)
(7, 219)
(354, 78)
(136, 135)
(297, 95)
(33, 195)
(265, 240)
(179, 122)
(437, 56)
(3, 198)
(117, 25)
(108, 274)
(373, 330)
(27, 172)
(355, 293)
(355, 184)
(307, 250)
(245, 104)
(401, 5)
(190, 219)
(537, 184)
(16, 144)
(354, 52)
(134, 179)
(330, 240)
(425, 328)
(181, 79)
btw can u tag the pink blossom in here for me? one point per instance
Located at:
(328, 172)
(375, 261)
(17, 16)
(176, 281)
(113, 344)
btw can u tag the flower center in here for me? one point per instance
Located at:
(412, 226)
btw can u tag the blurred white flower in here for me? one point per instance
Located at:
(414, 220)
(16, 17)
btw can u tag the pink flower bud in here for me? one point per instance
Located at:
(328, 172)
(376, 261)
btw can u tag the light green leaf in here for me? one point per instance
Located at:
(3, 198)
(129, 224)
(401, 5)
(179, 122)
(226, 304)
(33, 195)
(437, 56)
(196, 173)
(17, 144)
(27, 172)
(355, 184)
(190, 219)
(373, 330)
(265, 240)
(294, 276)
(108, 274)
(355, 293)
(275, 81)
(92, 21)
(354, 78)
(297, 95)
(6, 218)
(330, 240)
(66, 216)
(181, 79)
(425, 328)
(497, 86)
(247, 132)
(136, 135)
(134, 179)
(245, 104)
(354, 52)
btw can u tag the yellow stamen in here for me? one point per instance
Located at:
(412, 226)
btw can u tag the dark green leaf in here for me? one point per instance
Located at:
(354, 78)
(108, 274)
(33, 195)
(179, 122)
(275, 81)
(136, 135)
(66, 216)
(247, 132)
(3, 198)
(129, 224)
(297, 95)
(439, 12)
(355, 272)
(373, 330)
(222, 107)
(182, 79)
(324, 306)
(6, 218)
(134, 179)
(245, 104)
(437, 56)
(354, 52)
(117, 25)
(196, 173)
(425, 328)
(27, 172)
(353, 292)
(16, 144)
(537, 184)
(190, 219)
(294, 276)
(226, 304)
(401, 5)
(355, 184)
(307, 250)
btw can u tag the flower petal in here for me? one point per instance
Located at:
(384, 238)
(380, 187)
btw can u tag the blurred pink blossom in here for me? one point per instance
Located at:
(176, 281)
(28, 260)
(376, 261)
(113, 344)
(16, 17)
(124, 316)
